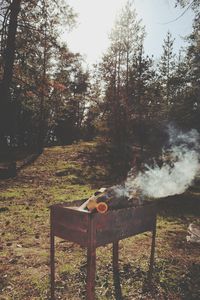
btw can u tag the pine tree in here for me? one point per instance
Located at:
(191, 93)
(9, 27)
(35, 60)
(127, 74)
(166, 70)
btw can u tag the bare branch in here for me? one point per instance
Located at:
(181, 15)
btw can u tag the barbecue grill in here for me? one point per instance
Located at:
(92, 230)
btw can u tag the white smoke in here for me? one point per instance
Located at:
(165, 181)
(180, 165)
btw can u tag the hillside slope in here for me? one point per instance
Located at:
(74, 172)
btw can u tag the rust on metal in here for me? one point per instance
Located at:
(116, 277)
(92, 230)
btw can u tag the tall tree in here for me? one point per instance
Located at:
(194, 63)
(191, 92)
(166, 69)
(68, 97)
(125, 71)
(10, 24)
(36, 44)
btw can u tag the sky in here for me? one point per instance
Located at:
(96, 18)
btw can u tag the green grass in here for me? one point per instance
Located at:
(24, 235)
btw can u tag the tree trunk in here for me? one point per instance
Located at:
(9, 56)
(42, 123)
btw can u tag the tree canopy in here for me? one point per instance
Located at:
(49, 97)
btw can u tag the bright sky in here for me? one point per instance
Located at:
(96, 18)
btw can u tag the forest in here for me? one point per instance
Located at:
(49, 97)
(68, 129)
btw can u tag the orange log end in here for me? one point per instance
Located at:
(102, 207)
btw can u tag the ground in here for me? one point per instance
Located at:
(24, 235)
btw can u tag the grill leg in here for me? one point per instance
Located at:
(152, 255)
(52, 262)
(91, 271)
(116, 277)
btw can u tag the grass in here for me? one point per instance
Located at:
(24, 235)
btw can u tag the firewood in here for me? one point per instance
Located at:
(110, 198)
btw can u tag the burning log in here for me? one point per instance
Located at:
(110, 198)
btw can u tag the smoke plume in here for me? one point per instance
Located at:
(180, 165)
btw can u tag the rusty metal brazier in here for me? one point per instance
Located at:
(92, 230)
